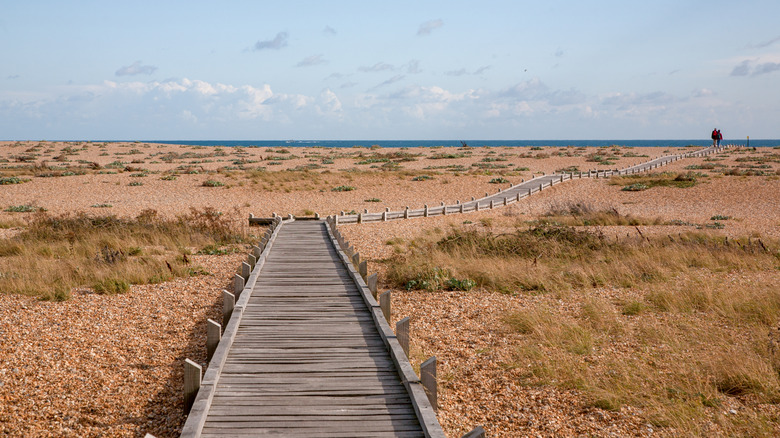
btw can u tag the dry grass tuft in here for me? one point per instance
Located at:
(55, 254)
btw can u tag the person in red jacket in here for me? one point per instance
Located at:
(715, 136)
(720, 137)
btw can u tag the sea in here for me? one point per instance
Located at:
(460, 143)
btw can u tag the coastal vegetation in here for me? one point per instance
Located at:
(53, 254)
(654, 322)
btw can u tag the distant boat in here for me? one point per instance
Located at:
(291, 141)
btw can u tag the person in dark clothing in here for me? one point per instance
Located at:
(720, 137)
(714, 137)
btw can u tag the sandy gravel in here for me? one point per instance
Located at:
(111, 365)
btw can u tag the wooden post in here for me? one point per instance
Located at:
(192, 377)
(213, 335)
(477, 206)
(444, 210)
(477, 432)
(428, 380)
(363, 269)
(356, 259)
(425, 212)
(360, 218)
(402, 334)
(228, 303)
(518, 196)
(245, 270)
(257, 251)
(461, 208)
(335, 221)
(238, 285)
(371, 282)
(492, 203)
(384, 303)
(384, 216)
(529, 192)
(406, 212)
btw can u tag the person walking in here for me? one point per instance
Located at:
(720, 137)
(714, 137)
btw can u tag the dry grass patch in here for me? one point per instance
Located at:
(673, 326)
(54, 254)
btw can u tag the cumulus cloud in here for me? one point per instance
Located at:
(742, 69)
(379, 66)
(703, 92)
(766, 67)
(311, 60)
(754, 68)
(136, 68)
(429, 26)
(279, 41)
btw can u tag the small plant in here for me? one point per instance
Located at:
(26, 208)
(372, 200)
(342, 189)
(136, 183)
(169, 178)
(111, 286)
(637, 187)
(101, 205)
(499, 180)
(12, 180)
(720, 217)
(421, 178)
(212, 183)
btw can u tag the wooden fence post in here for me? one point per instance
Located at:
(213, 335)
(371, 282)
(384, 303)
(192, 377)
(402, 334)
(356, 260)
(252, 260)
(245, 271)
(428, 380)
(228, 303)
(477, 432)
(406, 212)
(363, 269)
(425, 212)
(257, 251)
(238, 285)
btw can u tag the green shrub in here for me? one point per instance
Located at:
(421, 178)
(499, 180)
(637, 187)
(136, 183)
(111, 286)
(342, 189)
(213, 183)
(12, 180)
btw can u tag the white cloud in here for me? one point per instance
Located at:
(279, 41)
(379, 66)
(429, 26)
(329, 31)
(136, 68)
(311, 61)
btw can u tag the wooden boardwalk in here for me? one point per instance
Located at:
(519, 191)
(307, 359)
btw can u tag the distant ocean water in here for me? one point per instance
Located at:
(457, 143)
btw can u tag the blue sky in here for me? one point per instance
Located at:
(254, 70)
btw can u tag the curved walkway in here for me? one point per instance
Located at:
(519, 191)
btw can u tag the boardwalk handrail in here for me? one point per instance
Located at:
(412, 383)
(200, 408)
(518, 191)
